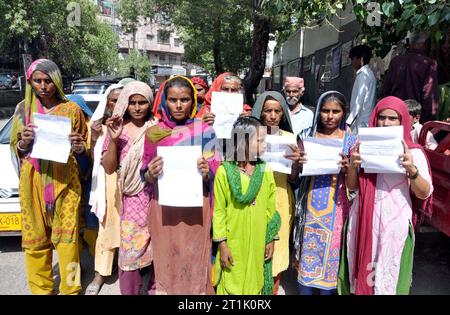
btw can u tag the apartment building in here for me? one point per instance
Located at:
(157, 40)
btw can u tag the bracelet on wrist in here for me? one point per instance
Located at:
(20, 148)
(414, 175)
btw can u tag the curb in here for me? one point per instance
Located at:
(7, 112)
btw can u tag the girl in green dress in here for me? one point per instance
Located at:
(245, 222)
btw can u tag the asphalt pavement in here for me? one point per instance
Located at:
(431, 274)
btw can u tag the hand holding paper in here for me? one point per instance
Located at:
(227, 107)
(277, 149)
(323, 156)
(381, 148)
(181, 184)
(51, 141)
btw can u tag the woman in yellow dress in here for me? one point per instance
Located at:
(49, 192)
(273, 111)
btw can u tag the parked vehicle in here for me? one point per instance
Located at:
(10, 214)
(440, 166)
(92, 88)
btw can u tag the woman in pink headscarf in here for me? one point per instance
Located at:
(380, 237)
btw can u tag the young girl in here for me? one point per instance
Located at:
(245, 222)
(322, 206)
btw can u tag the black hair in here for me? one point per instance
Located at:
(337, 98)
(361, 51)
(179, 82)
(414, 107)
(244, 129)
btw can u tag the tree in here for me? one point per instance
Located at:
(44, 29)
(396, 18)
(139, 62)
(234, 34)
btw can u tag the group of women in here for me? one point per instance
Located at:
(254, 223)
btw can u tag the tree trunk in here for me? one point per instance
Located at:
(216, 46)
(261, 30)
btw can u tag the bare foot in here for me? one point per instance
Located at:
(96, 284)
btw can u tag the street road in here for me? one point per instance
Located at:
(431, 268)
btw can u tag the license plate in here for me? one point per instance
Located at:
(10, 221)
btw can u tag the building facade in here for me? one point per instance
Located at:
(158, 40)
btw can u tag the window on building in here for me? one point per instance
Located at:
(163, 37)
(162, 59)
(177, 42)
(150, 36)
(173, 60)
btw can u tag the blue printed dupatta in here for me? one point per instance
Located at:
(318, 196)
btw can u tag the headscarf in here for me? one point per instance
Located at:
(295, 82)
(125, 81)
(130, 179)
(101, 107)
(285, 123)
(166, 116)
(302, 192)
(367, 189)
(97, 198)
(201, 82)
(157, 102)
(24, 115)
(215, 87)
(79, 100)
(132, 88)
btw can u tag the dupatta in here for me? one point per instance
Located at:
(367, 189)
(23, 115)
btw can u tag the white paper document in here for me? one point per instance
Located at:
(181, 183)
(277, 147)
(227, 107)
(323, 156)
(51, 138)
(380, 149)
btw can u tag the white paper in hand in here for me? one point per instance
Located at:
(380, 149)
(227, 107)
(277, 147)
(323, 156)
(181, 183)
(51, 138)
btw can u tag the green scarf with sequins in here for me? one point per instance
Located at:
(234, 180)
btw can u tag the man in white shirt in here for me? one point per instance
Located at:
(364, 88)
(301, 117)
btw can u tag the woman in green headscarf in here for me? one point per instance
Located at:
(271, 108)
(49, 192)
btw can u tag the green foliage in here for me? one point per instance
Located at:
(399, 17)
(140, 63)
(84, 50)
